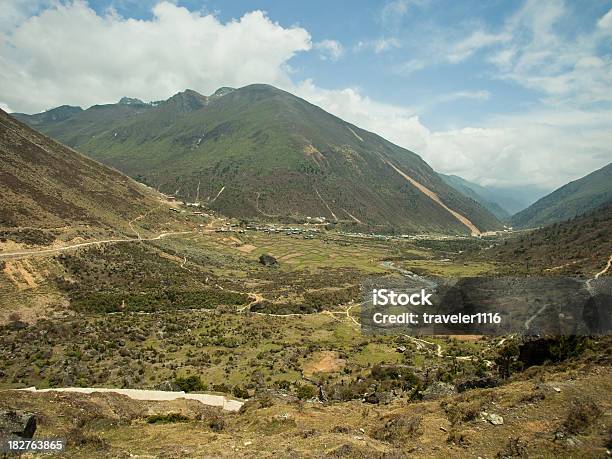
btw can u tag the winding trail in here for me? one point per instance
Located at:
(589, 286)
(29, 253)
(140, 217)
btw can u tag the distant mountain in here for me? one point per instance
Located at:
(261, 152)
(47, 185)
(571, 200)
(477, 193)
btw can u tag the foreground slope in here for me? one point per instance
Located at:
(261, 152)
(46, 185)
(571, 200)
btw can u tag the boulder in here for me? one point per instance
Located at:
(493, 418)
(437, 390)
(267, 260)
(17, 424)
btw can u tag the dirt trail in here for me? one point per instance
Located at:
(28, 253)
(140, 217)
(598, 275)
(434, 197)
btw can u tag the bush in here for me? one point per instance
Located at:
(399, 429)
(306, 392)
(582, 414)
(167, 418)
(190, 384)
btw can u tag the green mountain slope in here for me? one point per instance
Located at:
(477, 193)
(581, 245)
(571, 200)
(46, 185)
(261, 152)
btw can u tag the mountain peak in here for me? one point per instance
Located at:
(187, 100)
(130, 101)
(222, 91)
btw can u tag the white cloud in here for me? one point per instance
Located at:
(70, 55)
(475, 95)
(331, 50)
(546, 148)
(379, 45)
(477, 40)
(566, 69)
(87, 59)
(605, 22)
(410, 66)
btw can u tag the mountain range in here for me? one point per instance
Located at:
(260, 152)
(571, 200)
(478, 193)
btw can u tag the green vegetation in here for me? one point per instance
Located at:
(167, 418)
(578, 246)
(274, 155)
(574, 199)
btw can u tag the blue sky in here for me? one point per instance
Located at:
(505, 93)
(410, 28)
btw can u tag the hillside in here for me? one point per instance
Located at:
(477, 193)
(260, 152)
(47, 186)
(581, 245)
(571, 200)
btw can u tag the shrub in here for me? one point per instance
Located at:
(582, 413)
(167, 418)
(399, 429)
(306, 391)
(190, 383)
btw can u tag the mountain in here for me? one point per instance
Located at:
(581, 245)
(477, 193)
(47, 185)
(571, 200)
(261, 152)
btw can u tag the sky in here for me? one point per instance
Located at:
(503, 93)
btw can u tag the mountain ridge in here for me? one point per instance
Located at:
(258, 151)
(571, 200)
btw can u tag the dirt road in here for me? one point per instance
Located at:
(29, 253)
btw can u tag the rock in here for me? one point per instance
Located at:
(437, 390)
(401, 349)
(379, 397)
(169, 386)
(477, 383)
(493, 418)
(372, 398)
(323, 395)
(267, 260)
(17, 423)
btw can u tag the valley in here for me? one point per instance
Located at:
(174, 316)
